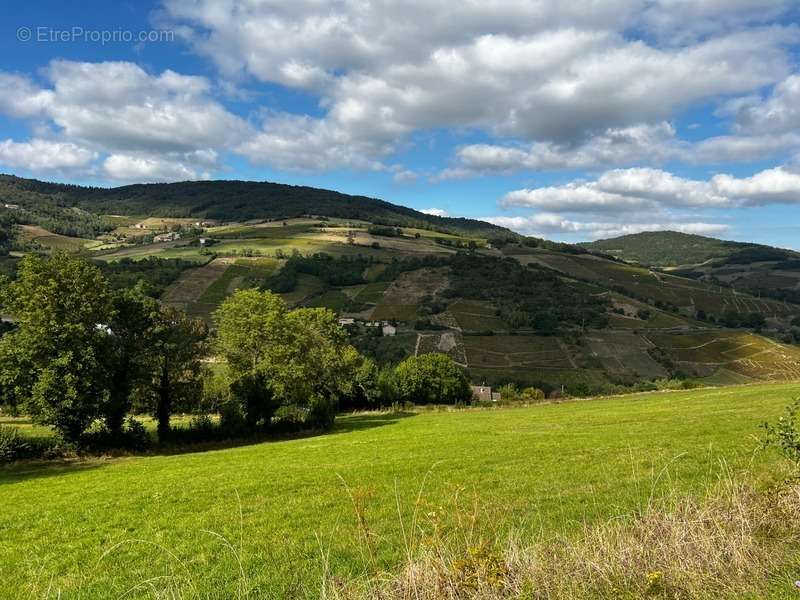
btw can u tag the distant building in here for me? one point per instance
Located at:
(11, 206)
(388, 329)
(347, 321)
(484, 393)
(139, 226)
(167, 237)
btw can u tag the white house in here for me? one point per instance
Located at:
(347, 321)
(388, 329)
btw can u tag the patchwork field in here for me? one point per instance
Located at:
(54, 241)
(516, 351)
(266, 520)
(449, 342)
(625, 354)
(687, 294)
(474, 315)
(401, 298)
(743, 353)
(194, 283)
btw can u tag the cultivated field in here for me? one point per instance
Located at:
(516, 351)
(271, 520)
(748, 355)
(624, 354)
(54, 241)
(687, 294)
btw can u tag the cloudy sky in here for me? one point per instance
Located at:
(569, 120)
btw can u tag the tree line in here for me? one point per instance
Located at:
(83, 358)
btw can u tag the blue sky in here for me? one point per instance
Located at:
(570, 121)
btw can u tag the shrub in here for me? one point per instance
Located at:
(99, 438)
(321, 413)
(232, 420)
(13, 445)
(532, 394)
(135, 436)
(202, 424)
(785, 434)
(289, 419)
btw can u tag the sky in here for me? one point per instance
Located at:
(570, 120)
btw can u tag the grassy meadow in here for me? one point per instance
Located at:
(271, 520)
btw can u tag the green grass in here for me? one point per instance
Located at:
(373, 292)
(333, 299)
(235, 276)
(307, 285)
(97, 528)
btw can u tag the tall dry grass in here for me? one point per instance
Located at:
(735, 543)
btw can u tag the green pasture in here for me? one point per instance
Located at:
(269, 518)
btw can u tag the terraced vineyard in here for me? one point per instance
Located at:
(625, 354)
(516, 352)
(748, 355)
(641, 283)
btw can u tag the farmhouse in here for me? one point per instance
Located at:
(347, 321)
(167, 237)
(484, 393)
(389, 329)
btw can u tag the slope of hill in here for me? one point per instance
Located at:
(755, 269)
(667, 248)
(508, 309)
(229, 201)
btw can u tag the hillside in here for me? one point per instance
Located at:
(667, 248)
(225, 201)
(506, 308)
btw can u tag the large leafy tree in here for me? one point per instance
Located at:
(177, 346)
(53, 363)
(431, 379)
(132, 335)
(279, 357)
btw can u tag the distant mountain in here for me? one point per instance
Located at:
(229, 201)
(673, 248)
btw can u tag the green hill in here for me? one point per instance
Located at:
(227, 201)
(667, 248)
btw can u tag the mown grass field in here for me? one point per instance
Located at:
(269, 518)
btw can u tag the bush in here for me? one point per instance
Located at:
(202, 424)
(532, 394)
(13, 445)
(321, 413)
(289, 419)
(98, 438)
(232, 421)
(135, 435)
(785, 434)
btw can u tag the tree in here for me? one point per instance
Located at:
(279, 357)
(754, 321)
(53, 363)
(178, 344)
(532, 394)
(131, 336)
(431, 379)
